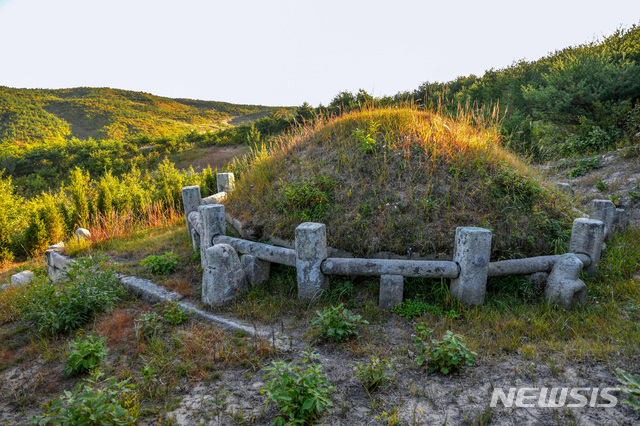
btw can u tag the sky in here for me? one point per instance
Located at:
(285, 52)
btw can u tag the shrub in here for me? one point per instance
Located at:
(301, 392)
(161, 264)
(337, 322)
(631, 385)
(374, 373)
(86, 354)
(89, 287)
(447, 355)
(94, 402)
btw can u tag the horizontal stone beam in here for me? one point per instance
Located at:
(528, 266)
(379, 267)
(195, 221)
(262, 251)
(214, 199)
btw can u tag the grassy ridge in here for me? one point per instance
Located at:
(33, 116)
(400, 180)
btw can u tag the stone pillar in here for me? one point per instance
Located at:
(226, 182)
(472, 250)
(605, 211)
(311, 251)
(256, 270)
(621, 220)
(213, 224)
(191, 202)
(223, 280)
(564, 286)
(391, 289)
(587, 236)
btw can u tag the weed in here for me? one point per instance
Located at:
(337, 323)
(601, 185)
(148, 326)
(447, 355)
(635, 195)
(173, 313)
(95, 401)
(86, 354)
(630, 385)
(367, 137)
(584, 166)
(161, 264)
(374, 374)
(89, 287)
(302, 392)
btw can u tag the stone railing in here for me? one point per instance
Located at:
(226, 276)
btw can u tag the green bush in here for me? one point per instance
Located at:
(94, 402)
(161, 264)
(89, 287)
(86, 354)
(301, 392)
(374, 374)
(631, 385)
(337, 322)
(447, 355)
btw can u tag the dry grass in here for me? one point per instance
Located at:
(117, 326)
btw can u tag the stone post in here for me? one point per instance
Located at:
(191, 201)
(621, 220)
(223, 280)
(587, 236)
(311, 251)
(391, 289)
(472, 250)
(564, 286)
(213, 224)
(605, 211)
(226, 182)
(256, 270)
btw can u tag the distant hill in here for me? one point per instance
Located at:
(33, 116)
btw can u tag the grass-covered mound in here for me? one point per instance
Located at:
(400, 180)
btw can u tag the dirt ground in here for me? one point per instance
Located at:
(414, 397)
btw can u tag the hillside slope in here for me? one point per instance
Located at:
(30, 116)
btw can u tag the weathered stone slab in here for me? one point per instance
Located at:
(379, 267)
(311, 251)
(256, 270)
(587, 237)
(214, 199)
(213, 224)
(267, 252)
(605, 211)
(191, 201)
(391, 291)
(564, 286)
(472, 250)
(22, 278)
(58, 260)
(225, 182)
(223, 279)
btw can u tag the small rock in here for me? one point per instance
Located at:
(22, 278)
(82, 234)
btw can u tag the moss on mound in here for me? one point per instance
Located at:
(400, 180)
